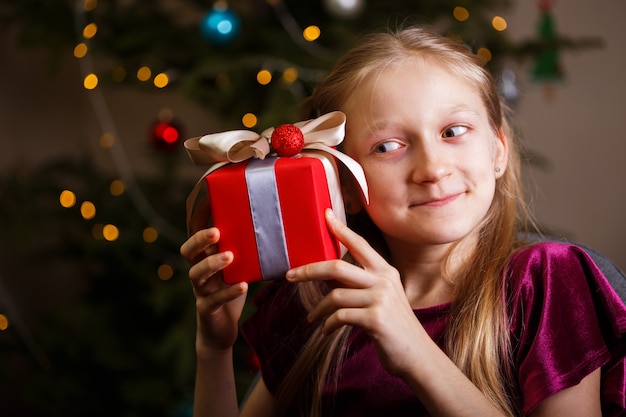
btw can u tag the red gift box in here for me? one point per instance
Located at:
(270, 214)
(270, 210)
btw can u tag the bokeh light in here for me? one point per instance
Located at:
(90, 31)
(249, 120)
(461, 13)
(150, 235)
(88, 210)
(117, 188)
(4, 322)
(91, 81)
(107, 140)
(80, 50)
(144, 74)
(161, 80)
(290, 75)
(264, 77)
(110, 232)
(67, 199)
(499, 23)
(90, 5)
(484, 54)
(165, 272)
(311, 33)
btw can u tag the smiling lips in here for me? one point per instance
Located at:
(437, 201)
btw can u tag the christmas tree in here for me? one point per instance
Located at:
(113, 331)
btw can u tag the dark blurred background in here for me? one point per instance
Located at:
(96, 98)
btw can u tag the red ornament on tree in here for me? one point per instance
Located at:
(165, 133)
(287, 140)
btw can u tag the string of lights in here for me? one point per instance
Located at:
(110, 139)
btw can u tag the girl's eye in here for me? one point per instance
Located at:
(454, 131)
(387, 147)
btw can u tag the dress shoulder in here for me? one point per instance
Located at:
(567, 321)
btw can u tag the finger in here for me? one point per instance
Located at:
(345, 316)
(200, 273)
(334, 272)
(358, 247)
(340, 298)
(217, 299)
(199, 245)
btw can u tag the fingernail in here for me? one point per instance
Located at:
(330, 214)
(290, 274)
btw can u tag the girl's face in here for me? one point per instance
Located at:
(429, 154)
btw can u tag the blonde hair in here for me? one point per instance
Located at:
(477, 337)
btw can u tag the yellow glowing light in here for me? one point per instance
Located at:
(67, 198)
(144, 74)
(461, 13)
(161, 80)
(290, 75)
(90, 5)
(499, 23)
(91, 81)
(107, 140)
(484, 54)
(249, 120)
(116, 188)
(118, 74)
(90, 31)
(150, 234)
(88, 210)
(264, 77)
(97, 231)
(165, 272)
(110, 232)
(311, 33)
(4, 322)
(80, 50)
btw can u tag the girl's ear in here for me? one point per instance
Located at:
(501, 155)
(350, 190)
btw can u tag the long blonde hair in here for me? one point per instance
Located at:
(477, 338)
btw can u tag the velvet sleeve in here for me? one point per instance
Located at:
(567, 322)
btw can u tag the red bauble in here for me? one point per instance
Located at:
(287, 140)
(165, 135)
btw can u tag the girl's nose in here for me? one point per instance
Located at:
(430, 164)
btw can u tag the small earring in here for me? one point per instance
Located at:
(497, 170)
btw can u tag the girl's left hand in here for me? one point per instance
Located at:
(371, 297)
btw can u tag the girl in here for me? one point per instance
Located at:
(440, 310)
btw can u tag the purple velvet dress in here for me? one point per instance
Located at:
(566, 321)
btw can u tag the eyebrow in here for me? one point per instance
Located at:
(461, 108)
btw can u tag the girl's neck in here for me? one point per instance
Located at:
(429, 272)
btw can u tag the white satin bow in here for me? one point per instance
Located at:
(218, 149)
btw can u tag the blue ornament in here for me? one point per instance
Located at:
(220, 25)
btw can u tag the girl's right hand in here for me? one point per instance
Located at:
(218, 305)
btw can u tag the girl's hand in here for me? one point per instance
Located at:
(371, 297)
(219, 306)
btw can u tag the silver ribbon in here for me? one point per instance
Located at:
(267, 219)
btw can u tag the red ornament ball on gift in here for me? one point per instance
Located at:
(287, 140)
